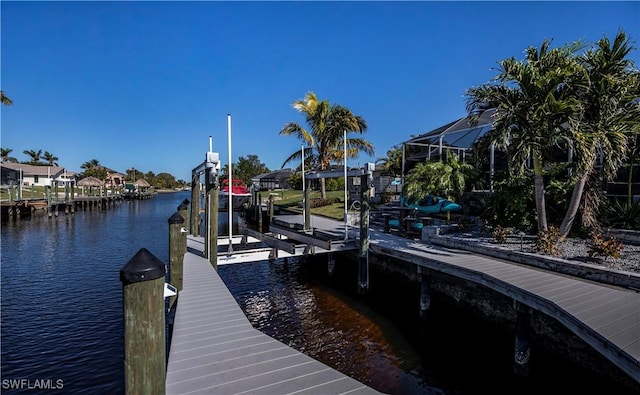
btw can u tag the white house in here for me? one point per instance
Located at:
(34, 175)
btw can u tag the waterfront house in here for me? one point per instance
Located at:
(278, 179)
(114, 179)
(28, 175)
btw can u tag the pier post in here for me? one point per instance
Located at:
(306, 201)
(211, 217)
(270, 208)
(183, 210)
(176, 253)
(260, 211)
(47, 190)
(425, 293)
(144, 324)
(363, 264)
(522, 351)
(331, 264)
(195, 206)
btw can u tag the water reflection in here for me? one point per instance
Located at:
(326, 325)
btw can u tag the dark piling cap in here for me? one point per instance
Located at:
(144, 266)
(183, 206)
(185, 201)
(176, 218)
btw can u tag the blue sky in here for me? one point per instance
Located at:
(144, 84)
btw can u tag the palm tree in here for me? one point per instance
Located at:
(34, 155)
(50, 158)
(327, 124)
(392, 163)
(90, 164)
(4, 153)
(442, 178)
(5, 100)
(611, 114)
(532, 106)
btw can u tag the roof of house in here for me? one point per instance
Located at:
(279, 175)
(31, 170)
(459, 133)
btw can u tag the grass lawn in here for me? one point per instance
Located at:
(292, 199)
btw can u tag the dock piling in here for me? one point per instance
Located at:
(194, 227)
(183, 210)
(177, 249)
(144, 324)
(363, 265)
(425, 293)
(522, 346)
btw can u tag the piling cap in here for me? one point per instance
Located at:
(185, 201)
(144, 266)
(176, 218)
(184, 205)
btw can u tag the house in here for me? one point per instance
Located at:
(274, 180)
(33, 175)
(114, 179)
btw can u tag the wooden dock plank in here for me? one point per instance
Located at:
(215, 349)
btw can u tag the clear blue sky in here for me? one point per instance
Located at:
(144, 84)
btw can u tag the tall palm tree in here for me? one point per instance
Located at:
(5, 100)
(327, 124)
(50, 158)
(611, 114)
(532, 106)
(34, 155)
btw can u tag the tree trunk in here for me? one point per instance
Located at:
(538, 183)
(574, 204)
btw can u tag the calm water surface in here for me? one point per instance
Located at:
(62, 313)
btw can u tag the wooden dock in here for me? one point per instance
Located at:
(216, 350)
(604, 316)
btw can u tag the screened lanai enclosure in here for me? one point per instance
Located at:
(460, 136)
(457, 138)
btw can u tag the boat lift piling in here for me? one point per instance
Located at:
(210, 169)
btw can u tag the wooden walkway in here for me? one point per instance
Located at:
(605, 317)
(216, 350)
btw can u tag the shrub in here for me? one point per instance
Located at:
(320, 202)
(605, 247)
(547, 241)
(500, 234)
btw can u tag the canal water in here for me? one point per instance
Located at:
(62, 328)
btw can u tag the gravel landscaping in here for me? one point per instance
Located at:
(573, 249)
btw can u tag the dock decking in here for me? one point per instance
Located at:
(216, 350)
